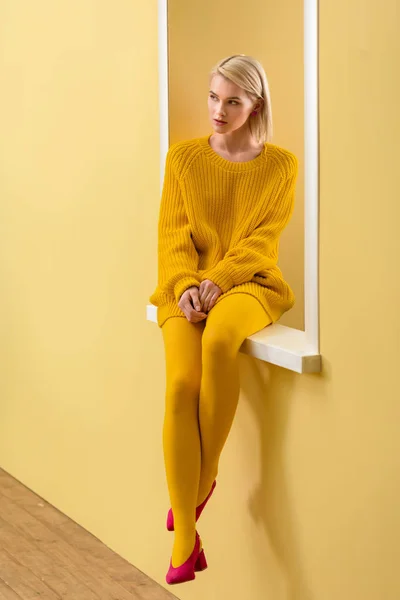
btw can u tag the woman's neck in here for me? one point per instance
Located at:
(235, 145)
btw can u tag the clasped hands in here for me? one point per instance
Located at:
(196, 302)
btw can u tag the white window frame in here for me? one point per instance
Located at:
(287, 347)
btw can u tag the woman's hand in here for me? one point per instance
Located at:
(189, 304)
(209, 294)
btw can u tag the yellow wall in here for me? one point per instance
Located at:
(81, 410)
(308, 496)
(273, 33)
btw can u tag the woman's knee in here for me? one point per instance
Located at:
(221, 341)
(182, 393)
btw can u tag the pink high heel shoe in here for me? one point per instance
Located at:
(199, 510)
(187, 572)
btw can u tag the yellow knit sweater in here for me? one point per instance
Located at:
(221, 220)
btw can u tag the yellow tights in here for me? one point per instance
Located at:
(202, 392)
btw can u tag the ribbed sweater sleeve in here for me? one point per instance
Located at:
(177, 256)
(252, 254)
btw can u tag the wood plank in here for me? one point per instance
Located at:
(21, 495)
(63, 582)
(48, 555)
(130, 577)
(22, 581)
(6, 593)
(93, 565)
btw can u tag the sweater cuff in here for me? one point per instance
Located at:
(183, 285)
(220, 277)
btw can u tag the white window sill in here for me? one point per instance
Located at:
(276, 344)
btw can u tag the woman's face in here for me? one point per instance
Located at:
(229, 103)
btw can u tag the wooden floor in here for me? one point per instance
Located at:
(43, 554)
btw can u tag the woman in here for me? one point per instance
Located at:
(226, 199)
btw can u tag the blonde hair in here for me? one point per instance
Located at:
(248, 73)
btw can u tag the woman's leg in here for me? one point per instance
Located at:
(181, 436)
(228, 324)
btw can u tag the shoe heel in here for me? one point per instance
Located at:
(201, 562)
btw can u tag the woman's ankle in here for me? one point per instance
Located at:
(204, 490)
(182, 548)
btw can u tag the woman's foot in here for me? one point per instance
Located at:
(183, 547)
(186, 571)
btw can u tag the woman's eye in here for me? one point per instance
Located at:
(230, 101)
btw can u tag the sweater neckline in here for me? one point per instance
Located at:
(230, 165)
